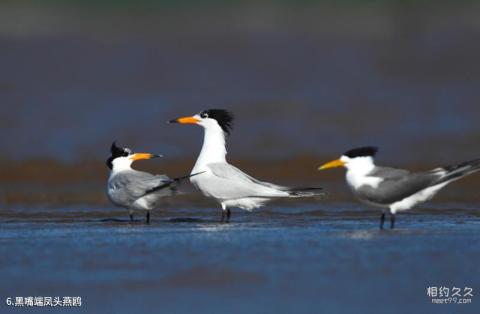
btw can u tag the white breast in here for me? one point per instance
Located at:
(355, 180)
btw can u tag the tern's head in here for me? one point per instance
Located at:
(357, 158)
(122, 157)
(211, 118)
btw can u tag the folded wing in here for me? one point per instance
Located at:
(234, 183)
(396, 185)
(132, 185)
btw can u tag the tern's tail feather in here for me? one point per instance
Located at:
(305, 192)
(451, 173)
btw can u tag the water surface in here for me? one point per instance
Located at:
(327, 257)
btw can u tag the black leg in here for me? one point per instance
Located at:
(223, 216)
(392, 221)
(382, 220)
(148, 216)
(131, 217)
(229, 213)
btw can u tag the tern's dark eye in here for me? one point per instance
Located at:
(204, 115)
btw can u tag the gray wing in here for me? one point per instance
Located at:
(228, 171)
(236, 183)
(131, 185)
(397, 184)
(385, 172)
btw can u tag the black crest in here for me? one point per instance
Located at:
(362, 152)
(117, 152)
(223, 117)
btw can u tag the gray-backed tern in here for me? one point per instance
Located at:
(136, 190)
(393, 189)
(223, 182)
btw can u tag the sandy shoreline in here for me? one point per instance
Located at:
(56, 183)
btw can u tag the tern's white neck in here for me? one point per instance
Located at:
(213, 149)
(121, 164)
(358, 170)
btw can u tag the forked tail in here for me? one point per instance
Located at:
(455, 172)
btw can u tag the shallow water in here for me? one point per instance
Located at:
(327, 257)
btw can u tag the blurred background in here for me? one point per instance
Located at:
(306, 79)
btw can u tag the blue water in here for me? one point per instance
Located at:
(313, 258)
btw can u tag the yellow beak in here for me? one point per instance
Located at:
(140, 156)
(185, 120)
(332, 164)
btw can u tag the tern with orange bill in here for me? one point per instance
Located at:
(391, 189)
(133, 189)
(219, 180)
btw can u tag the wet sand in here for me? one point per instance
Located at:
(56, 183)
(320, 256)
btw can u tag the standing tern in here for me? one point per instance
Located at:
(395, 189)
(223, 182)
(136, 190)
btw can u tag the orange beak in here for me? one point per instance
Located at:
(332, 164)
(140, 156)
(185, 120)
